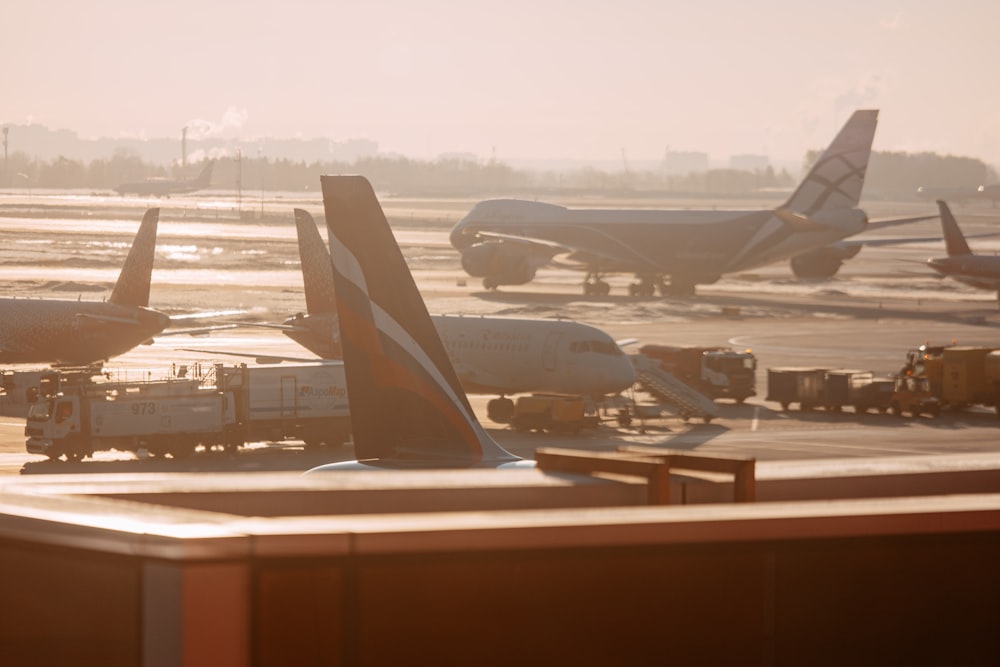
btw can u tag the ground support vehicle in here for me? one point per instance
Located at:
(845, 387)
(805, 386)
(715, 372)
(226, 408)
(964, 377)
(555, 413)
(913, 395)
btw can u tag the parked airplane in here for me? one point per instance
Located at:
(491, 355)
(982, 271)
(163, 187)
(408, 408)
(505, 241)
(78, 333)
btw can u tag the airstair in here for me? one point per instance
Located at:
(668, 389)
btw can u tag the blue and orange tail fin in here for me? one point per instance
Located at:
(132, 287)
(407, 406)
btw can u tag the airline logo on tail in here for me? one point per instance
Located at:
(836, 180)
(407, 406)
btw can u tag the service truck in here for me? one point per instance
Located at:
(227, 408)
(959, 376)
(716, 372)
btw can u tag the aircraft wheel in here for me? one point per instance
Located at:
(601, 288)
(490, 283)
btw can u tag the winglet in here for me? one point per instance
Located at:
(132, 288)
(407, 406)
(837, 178)
(954, 240)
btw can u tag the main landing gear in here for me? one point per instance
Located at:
(594, 286)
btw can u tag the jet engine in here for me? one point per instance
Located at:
(823, 263)
(498, 263)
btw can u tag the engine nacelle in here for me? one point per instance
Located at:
(823, 262)
(498, 263)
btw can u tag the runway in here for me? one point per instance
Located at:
(866, 318)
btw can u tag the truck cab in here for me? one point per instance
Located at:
(53, 419)
(913, 394)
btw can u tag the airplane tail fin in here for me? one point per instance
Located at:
(317, 276)
(837, 178)
(954, 240)
(132, 288)
(407, 406)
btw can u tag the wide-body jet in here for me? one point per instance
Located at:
(505, 241)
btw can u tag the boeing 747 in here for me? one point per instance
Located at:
(506, 241)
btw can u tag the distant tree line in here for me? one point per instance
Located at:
(890, 174)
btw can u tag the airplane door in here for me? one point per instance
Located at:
(288, 393)
(549, 350)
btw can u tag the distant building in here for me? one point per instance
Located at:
(679, 163)
(749, 162)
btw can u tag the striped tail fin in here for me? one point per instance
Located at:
(954, 239)
(132, 287)
(407, 406)
(837, 178)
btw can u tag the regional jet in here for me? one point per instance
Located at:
(505, 241)
(163, 187)
(408, 408)
(982, 271)
(491, 355)
(79, 333)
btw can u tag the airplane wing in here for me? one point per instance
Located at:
(258, 358)
(892, 222)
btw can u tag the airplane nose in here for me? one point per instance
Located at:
(624, 373)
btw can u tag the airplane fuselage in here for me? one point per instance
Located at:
(695, 246)
(498, 355)
(72, 333)
(978, 271)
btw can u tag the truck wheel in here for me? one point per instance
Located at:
(784, 405)
(896, 409)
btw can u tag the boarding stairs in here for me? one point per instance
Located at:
(670, 390)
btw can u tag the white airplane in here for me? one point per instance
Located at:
(505, 241)
(491, 355)
(408, 409)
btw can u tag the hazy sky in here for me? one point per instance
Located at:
(560, 79)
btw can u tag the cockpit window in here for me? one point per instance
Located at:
(598, 346)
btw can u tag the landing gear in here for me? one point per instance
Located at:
(490, 283)
(593, 285)
(647, 286)
(500, 410)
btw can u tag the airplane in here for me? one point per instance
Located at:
(491, 355)
(81, 333)
(505, 241)
(163, 187)
(982, 271)
(408, 408)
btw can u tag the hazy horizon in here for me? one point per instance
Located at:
(551, 80)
